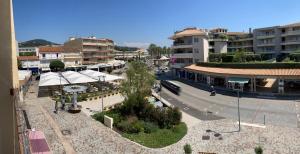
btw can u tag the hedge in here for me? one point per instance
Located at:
(258, 65)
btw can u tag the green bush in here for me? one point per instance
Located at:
(150, 127)
(295, 57)
(99, 116)
(130, 127)
(187, 149)
(258, 150)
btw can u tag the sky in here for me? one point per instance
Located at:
(141, 22)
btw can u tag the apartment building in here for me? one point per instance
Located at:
(93, 50)
(48, 54)
(240, 41)
(189, 46)
(218, 40)
(72, 57)
(277, 39)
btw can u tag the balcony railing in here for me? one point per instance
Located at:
(295, 32)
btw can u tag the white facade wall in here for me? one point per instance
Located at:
(28, 49)
(46, 58)
(30, 64)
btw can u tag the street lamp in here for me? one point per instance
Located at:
(103, 76)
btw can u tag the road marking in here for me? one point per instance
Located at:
(256, 112)
(186, 108)
(252, 125)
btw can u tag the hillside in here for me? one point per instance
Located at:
(36, 43)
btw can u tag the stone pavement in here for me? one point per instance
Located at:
(86, 135)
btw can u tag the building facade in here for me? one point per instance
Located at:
(28, 51)
(48, 54)
(189, 46)
(93, 50)
(72, 57)
(30, 63)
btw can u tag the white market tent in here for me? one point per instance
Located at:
(52, 79)
(75, 77)
(164, 58)
(99, 75)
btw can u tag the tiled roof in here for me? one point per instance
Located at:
(28, 58)
(51, 49)
(285, 73)
(291, 25)
(188, 32)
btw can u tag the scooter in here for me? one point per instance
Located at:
(213, 93)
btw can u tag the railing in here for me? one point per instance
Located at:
(295, 32)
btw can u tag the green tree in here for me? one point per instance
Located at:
(239, 56)
(137, 86)
(57, 65)
(19, 64)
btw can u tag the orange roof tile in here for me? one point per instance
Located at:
(28, 58)
(188, 32)
(51, 49)
(286, 73)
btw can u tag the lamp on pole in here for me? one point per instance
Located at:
(103, 76)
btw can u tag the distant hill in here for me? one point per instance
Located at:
(124, 48)
(36, 43)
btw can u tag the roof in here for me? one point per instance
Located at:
(188, 32)
(28, 58)
(236, 33)
(291, 25)
(57, 49)
(237, 72)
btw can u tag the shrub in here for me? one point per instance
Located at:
(99, 116)
(187, 149)
(130, 127)
(150, 127)
(258, 150)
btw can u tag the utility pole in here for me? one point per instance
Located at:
(239, 116)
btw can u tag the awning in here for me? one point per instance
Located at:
(238, 80)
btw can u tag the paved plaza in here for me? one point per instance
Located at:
(79, 133)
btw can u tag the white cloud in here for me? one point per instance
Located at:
(143, 45)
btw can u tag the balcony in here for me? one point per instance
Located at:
(183, 45)
(265, 36)
(287, 33)
(265, 44)
(183, 55)
(290, 42)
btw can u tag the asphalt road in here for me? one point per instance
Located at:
(199, 103)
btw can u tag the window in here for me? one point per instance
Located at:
(43, 55)
(196, 39)
(57, 55)
(196, 50)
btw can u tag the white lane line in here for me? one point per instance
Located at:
(252, 125)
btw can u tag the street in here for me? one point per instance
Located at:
(200, 104)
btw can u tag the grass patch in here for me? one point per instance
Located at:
(159, 138)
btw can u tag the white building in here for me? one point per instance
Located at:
(30, 63)
(190, 45)
(24, 50)
(48, 54)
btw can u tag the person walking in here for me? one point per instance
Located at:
(56, 107)
(63, 102)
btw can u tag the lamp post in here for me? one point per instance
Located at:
(239, 116)
(102, 90)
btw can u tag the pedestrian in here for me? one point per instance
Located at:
(63, 101)
(56, 107)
